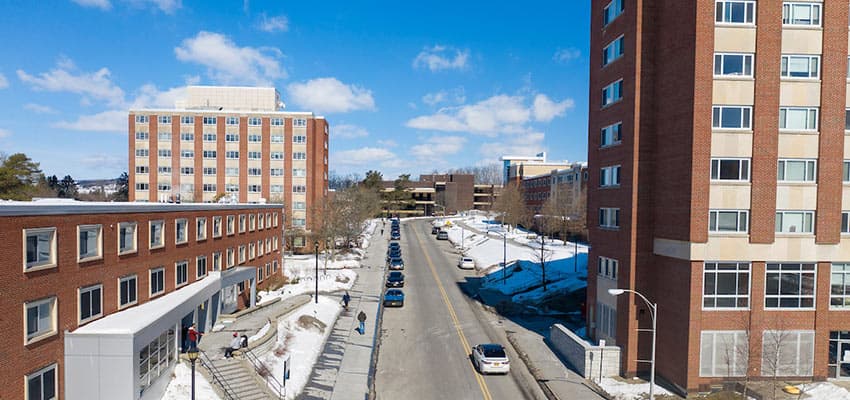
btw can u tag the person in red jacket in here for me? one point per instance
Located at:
(194, 337)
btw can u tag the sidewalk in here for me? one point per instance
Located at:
(343, 368)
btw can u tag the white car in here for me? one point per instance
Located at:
(466, 263)
(491, 359)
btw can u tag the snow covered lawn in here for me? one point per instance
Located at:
(181, 385)
(624, 390)
(329, 281)
(824, 391)
(301, 336)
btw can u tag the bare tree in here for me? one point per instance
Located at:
(490, 174)
(566, 211)
(511, 206)
(542, 257)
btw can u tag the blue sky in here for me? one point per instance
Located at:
(408, 87)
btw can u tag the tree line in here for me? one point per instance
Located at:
(22, 179)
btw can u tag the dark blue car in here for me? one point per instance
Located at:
(394, 298)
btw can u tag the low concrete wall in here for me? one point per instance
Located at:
(592, 362)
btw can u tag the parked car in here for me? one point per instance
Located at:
(443, 235)
(394, 245)
(396, 263)
(394, 298)
(435, 230)
(466, 263)
(490, 358)
(395, 279)
(395, 235)
(393, 253)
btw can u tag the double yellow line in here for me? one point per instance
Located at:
(466, 348)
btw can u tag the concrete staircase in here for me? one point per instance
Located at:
(241, 378)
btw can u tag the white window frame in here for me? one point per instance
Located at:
(242, 254)
(232, 121)
(243, 223)
(746, 122)
(793, 339)
(216, 261)
(751, 12)
(187, 120)
(607, 268)
(135, 246)
(609, 176)
(40, 374)
(810, 170)
(810, 59)
(612, 11)
(799, 272)
(177, 223)
(252, 222)
(806, 213)
(231, 257)
(788, 12)
(41, 334)
(615, 48)
(612, 93)
(845, 222)
(252, 251)
(299, 122)
(842, 270)
(198, 261)
(739, 354)
(210, 137)
(87, 289)
(611, 135)
(135, 279)
(255, 121)
(812, 119)
(276, 122)
(747, 65)
(151, 272)
(209, 121)
(98, 239)
(200, 231)
(743, 172)
(740, 268)
(216, 226)
(161, 243)
(261, 221)
(231, 225)
(184, 264)
(37, 265)
(609, 218)
(714, 220)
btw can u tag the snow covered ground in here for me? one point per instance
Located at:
(181, 385)
(825, 391)
(302, 343)
(621, 390)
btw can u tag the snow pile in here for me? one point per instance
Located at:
(304, 344)
(260, 333)
(329, 281)
(825, 390)
(621, 390)
(181, 385)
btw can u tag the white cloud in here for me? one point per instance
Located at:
(4, 133)
(545, 109)
(39, 108)
(101, 4)
(104, 161)
(228, 63)
(107, 121)
(4, 83)
(388, 143)
(566, 55)
(149, 96)
(456, 96)
(439, 58)
(528, 143)
(330, 95)
(365, 156)
(273, 24)
(438, 146)
(66, 78)
(347, 131)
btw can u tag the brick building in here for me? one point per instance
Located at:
(97, 296)
(568, 185)
(230, 141)
(444, 193)
(716, 151)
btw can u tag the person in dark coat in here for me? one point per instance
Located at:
(346, 298)
(362, 318)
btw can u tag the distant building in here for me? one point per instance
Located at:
(232, 141)
(518, 167)
(571, 183)
(97, 296)
(443, 194)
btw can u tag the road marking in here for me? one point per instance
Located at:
(464, 343)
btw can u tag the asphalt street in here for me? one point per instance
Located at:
(425, 346)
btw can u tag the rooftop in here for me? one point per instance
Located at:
(70, 206)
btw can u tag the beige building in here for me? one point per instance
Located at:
(518, 167)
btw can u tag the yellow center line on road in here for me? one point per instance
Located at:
(464, 343)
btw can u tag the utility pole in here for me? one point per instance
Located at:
(543, 260)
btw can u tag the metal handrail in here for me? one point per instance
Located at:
(270, 379)
(218, 377)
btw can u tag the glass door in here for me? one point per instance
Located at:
(839, 354)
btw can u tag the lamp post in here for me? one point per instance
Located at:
(193, 356)
(504, 254)
(316, 247)
(653, 307)
(543, 259)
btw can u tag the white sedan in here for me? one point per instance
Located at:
(490, 359)
(466, 263)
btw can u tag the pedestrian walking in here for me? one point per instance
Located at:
(194, 337)
(346, 298)
(362, 318)
(382, 231)
(235, 344)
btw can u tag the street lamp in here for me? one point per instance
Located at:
(193, 356)
(316, 246)
(504, 254)
(653, 307)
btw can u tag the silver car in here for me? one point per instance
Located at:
(466, 263)
(491, 358)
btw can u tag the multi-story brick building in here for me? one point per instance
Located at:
(716, 150)
(230, 141)
(96, 297)
(568, 186)
(442, 194)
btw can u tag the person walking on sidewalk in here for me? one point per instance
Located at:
(346, 298)
(235, 344)
(362, 318)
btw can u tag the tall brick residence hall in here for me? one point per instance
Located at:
(720, 187)
(96, 296)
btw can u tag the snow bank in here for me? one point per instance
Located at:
(621, 390)
(260, 333)
(181, 385)
(329, 281)
(825, 390)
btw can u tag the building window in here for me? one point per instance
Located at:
(731, 117)
(231, 224)
(730, 169)
(607, 267)
(251, 251)
(231, 137)
(254, 155)
(216, 226)
(800, 66)
(142, 136)
(611, 134)
(791, 170)
(609, 176)
(209, 154)
(231, 188)
(299, 189)
(299, 205)
(209, 188)
(163, 170)
(276, 188)
(845, 222)
(277, 121)
(142, 152)
(735, 12)
(40, 248)
(299, 222)
(187, 137)
(231, 155)
(299, 172)
(276, 172)
(126, 237)
(252, 222)
(187, 170)
(210, 171)
(806, 14)
(142, 169)
(606, 320)
(164, 153)
(276, 155)
(157, 281)
(277, 139)
(612, 11)
(89, 242)
(156, 358)
(612, 51)
(216, 261)
(210, 120)
(201, 267)
(798, 119)
(260, 274)
(726, 285)
(187, 154)
(609, 217)
(164, 136)
(243, 223)
(255, 188)
(210, 137)
(299, 122)
(612, 93)
(187, 120)
(261, 221)
(127, 291)
(90, 302)
(299, 155)
(275, 219)
(732, 64)
(41, 319)
(787, 353)
(157, 231)
(299, 139)
(839, 282)
(181, 230)
(254, 121)
(255, 171)
(255, 138)
(142, 119)
(723, 353)
(201, 226)
(164, 187)
(232, 121)
(230, 258)
(231, 171)
(181, 270)
(42, 384)
(795, 221)
(242, 254)
(790, 286)
(726, 221)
